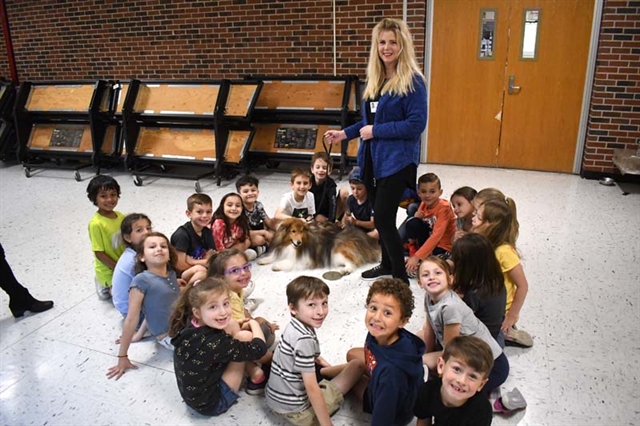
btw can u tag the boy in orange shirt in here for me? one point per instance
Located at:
(433, 225)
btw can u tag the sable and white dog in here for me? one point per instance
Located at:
(300, 245)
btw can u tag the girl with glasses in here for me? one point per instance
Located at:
(233, 267)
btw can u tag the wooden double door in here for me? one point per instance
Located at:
(507, 82)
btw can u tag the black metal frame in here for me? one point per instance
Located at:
(343, 118)
(8, 141)
(220, 123)
(96, 116)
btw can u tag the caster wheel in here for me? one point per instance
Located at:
(27, 172)
(272, 164)
(198, 187)
(77, 176)
(137, 181)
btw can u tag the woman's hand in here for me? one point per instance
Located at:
(366, 132)
(334, 136)
(123, 365)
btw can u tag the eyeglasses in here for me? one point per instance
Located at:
(239, 269)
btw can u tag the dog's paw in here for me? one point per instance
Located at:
(344, 271)
(276, 268)
(264, 261)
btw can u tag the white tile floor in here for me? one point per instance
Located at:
(580, 243)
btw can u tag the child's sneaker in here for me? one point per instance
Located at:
(509, 402)
(251, 304)
(516, 337)
(251, 254)
(256, 388)
(104, 293)
(260, 250)
(248, 290)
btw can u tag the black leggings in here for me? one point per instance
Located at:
(17, 293)
(388, 193)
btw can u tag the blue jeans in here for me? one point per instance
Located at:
(227, 398)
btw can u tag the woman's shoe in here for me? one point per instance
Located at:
(33, 305)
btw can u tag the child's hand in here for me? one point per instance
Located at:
(509, 321)
(419, 214)
(182, 282)
(412, 264)
(459, 234)
(244, 324)
(322, 362)
(117, 371)
(135, 338)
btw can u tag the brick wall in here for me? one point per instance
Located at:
(5, 71)
(187, 39)
(614, 116)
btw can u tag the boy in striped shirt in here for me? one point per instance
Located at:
(303, 388)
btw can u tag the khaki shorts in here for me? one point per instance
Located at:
(333, 398)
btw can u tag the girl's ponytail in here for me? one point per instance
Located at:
(515, 226)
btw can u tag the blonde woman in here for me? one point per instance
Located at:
(394, 117)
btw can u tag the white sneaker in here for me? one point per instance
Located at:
(104, 293)
(260, 250)
(251, 304)
(251, 254)
(248, 290)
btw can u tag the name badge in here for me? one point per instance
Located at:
(373, 106)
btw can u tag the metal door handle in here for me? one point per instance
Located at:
(513, 89)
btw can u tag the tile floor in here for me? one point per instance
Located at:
(580, 244)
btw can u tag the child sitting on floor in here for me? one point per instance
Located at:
(329, 200)
(433, 225)
(193, 241)
(234, 268)
(494, 219)
(261, 226)
(299, 202)
(293, 391)
(104, 231)
(230, 226)
(454, 398)
(211, 348)
(392, 355)
(448, 316)
(462, 202)
(359, 211)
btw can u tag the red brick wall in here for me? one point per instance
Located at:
(187, 39)
(5, 71)
(614, 116)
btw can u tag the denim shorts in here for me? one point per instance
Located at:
(227, 398)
